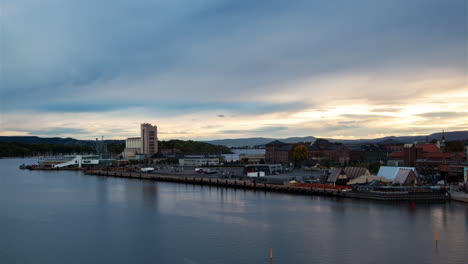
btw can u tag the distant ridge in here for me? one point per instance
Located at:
(258, 141)
(251, 142)
(55, 140)
(242, 142)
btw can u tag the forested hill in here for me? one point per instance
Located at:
(33, 146)
(193, 147)
(55, 140)
(15, 149)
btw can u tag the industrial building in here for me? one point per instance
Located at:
(144, 146)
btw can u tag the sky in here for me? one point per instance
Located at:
(214, 69)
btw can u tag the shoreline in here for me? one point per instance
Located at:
(242, 184)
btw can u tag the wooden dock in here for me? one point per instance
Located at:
(459, 196)
(249, 185)
(230, 183)
(400, 196)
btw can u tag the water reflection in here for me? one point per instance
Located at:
(122, 220)
(149, 193)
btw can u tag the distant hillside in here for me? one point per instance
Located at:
(14, 149)
(251, 142)
(56, 140)
(193, 147)
(449, 136)
(114, 146)
(242, 142)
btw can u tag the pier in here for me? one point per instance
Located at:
(300, 189)
(230, 183)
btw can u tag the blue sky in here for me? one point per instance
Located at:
(226, 69)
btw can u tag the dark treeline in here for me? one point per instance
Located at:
(14, 149)
(455, 146)
(193, 147)
(115, 148)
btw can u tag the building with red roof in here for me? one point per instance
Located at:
(430, 159)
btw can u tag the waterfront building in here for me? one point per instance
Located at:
(146, 144)
(132, 147)
(199, 161)
(323, 151)
(133, 143)
(391, 145)
(396, 159)
(252, 158)
(149, 139)
(399, 175)
(356, 155)
(355, 172)
(277, 152)
(406, 177)
(369, 180)
(430, 161)
(75, 161)
(339, 176)
(466, 153)
(268, 169)
(375, 153)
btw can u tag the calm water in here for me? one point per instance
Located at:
(68, 217)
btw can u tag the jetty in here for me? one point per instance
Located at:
(231, 183)
(459, 196)
(304, 189)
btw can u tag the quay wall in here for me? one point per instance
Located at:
(239, 184)
(243, 184)
(461, 197)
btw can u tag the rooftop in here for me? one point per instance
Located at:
(397, 154)
(428, 147)
(276, 142)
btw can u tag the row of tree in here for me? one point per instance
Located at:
(191, 146)
(14, 149)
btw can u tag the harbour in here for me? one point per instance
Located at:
(311, 189)
(121, 220)
(234, 132)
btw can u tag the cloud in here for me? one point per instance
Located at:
(259, 63)
(442, 115)
(58, 131)
(180, 107)
(260, 130)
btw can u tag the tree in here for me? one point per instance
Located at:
(454, 146)
(321, 140)
(374, 167)
(299, 154)
(114, 148)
